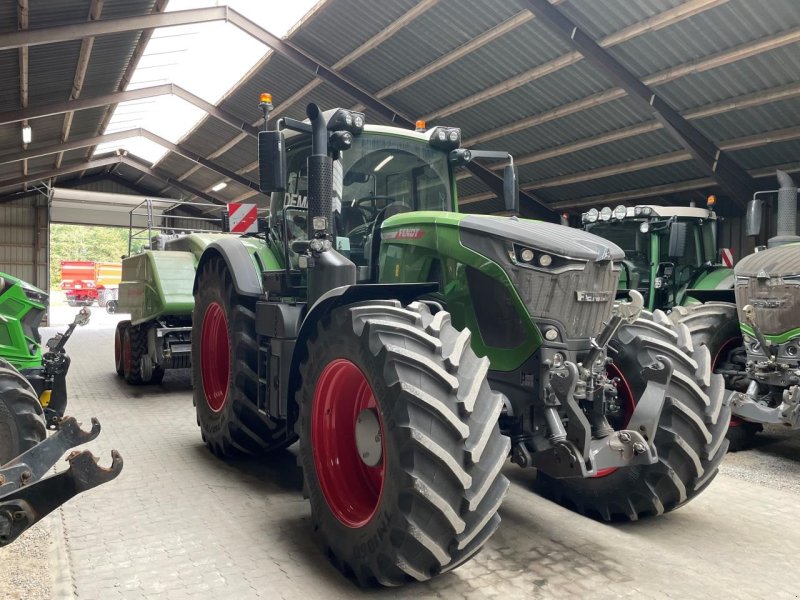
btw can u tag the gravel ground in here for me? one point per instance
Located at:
(23, 565)
(774, 460)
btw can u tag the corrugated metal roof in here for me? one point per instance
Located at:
(341, 26)
(721, 28)
(599, 19)
(728, 30)
(51, 72)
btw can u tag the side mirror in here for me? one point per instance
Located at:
(510, 189)
(271, 161)
(755, 213)
(677, 238)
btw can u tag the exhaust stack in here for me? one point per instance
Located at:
(787, 212)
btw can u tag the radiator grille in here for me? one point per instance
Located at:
(553, 296)
(775, 300)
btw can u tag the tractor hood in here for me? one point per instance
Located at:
(552, 238)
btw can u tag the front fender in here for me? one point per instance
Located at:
(341, 296)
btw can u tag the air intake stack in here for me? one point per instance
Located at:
(787, 212)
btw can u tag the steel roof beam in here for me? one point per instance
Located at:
(751, 141)
(284, 48)
(367, 46)
(732, 178)
(73, 144)
(22, 24)
(654, 23)
(58, 108)
(85, 54)
(138, 51)
(142, 166)
(671, 74)
(63, 170)
(121, 135)
(77, 31)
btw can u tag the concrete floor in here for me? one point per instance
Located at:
(178, 523)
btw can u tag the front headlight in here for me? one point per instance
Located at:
(620, 212)
(605, 213)
(591, 215)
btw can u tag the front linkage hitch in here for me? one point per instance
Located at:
(575, 451)
(25, 498)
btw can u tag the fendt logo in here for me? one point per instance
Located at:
(582, 296)
(406, 233)
(767, 302)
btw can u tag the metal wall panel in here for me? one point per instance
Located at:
(25, 240)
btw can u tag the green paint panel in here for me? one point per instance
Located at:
(775, 339)
(156, 284)
(21, 350)
(711, 280)
(413, 243)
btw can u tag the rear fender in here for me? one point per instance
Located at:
(241, 262)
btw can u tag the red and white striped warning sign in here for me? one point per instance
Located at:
(727, 257)
(243, 218)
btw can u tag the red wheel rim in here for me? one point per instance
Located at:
(126, 352)
(352, 489)
(724, 350)
(215, 350)
(625, 395)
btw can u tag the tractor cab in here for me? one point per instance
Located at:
(379, 175)
(669, 251)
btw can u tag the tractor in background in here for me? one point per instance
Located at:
(670, 255)
(33, 397)
(411, 349)
(670, 252)
(767, 362)
(671, 259)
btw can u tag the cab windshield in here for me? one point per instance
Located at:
(378, 176)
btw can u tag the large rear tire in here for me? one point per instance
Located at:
(225, 370)
(22, 423)
(716, 326)
(430, 500)
(690, 438)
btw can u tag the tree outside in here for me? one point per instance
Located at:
(82, 242)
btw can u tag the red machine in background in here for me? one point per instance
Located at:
(86, 282)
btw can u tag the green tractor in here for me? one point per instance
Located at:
(670, 252)
(412, 349)
(670, 255)
(33, 397)
(767, 361)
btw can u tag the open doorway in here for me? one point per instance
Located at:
(85, 270)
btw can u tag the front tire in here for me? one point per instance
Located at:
(716, 326)
(690, 439)
(225, 369)
(430, 501)
(22, 424)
